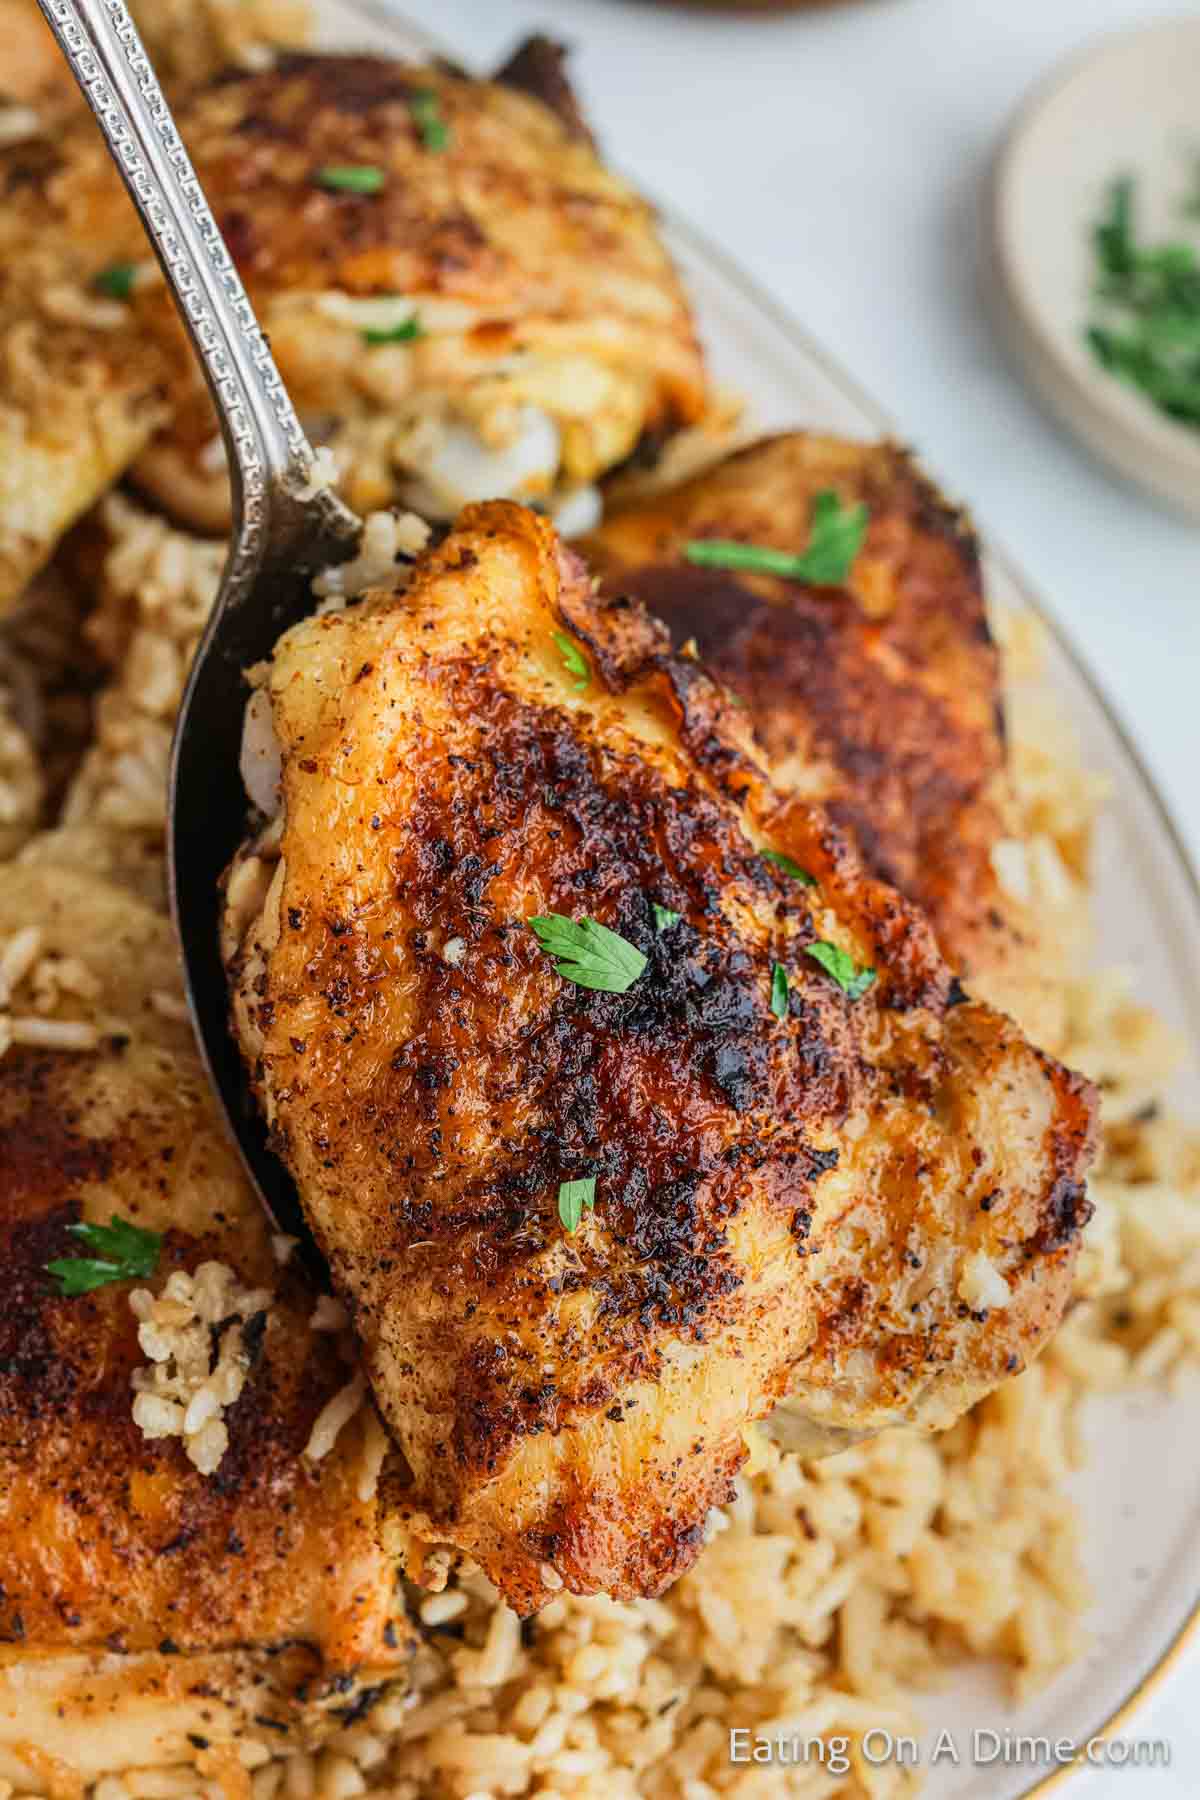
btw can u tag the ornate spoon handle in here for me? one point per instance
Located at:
(285, 528)
(269, 457)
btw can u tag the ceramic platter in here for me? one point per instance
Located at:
(1140, 1490)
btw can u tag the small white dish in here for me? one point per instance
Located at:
(1130, 106)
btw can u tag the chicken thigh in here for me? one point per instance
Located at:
(622, 1101)
(149, 1604)
(458, 293)
(878, 695)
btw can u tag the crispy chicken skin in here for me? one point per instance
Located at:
(868, 1205)
(187, 41)
(139, 1599)
(553, 332)
(880, 698)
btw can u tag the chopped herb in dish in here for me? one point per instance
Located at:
(402, 333)
(350, 178)
(576, 662)
(426, 110)
(779, 990)
(853, 980)
(573, 1197)
(837, 537)
(789, 867)
(589, 954)
(1145, 328)
(122, 1252)
(117, 280)
(664, 918)
(1189, 206)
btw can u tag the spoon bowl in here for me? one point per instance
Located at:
(207, 804)
(287, 525)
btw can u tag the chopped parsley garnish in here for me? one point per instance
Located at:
(577, 663)
(117, 280)
(573, 1196)
(839, 963)
(351, 178)
(589, 954)
(426, 110)
(402, 333)
(779, 990)
(123, 1252)
(664, 918)
(789, 867)
(1189, 206)
(1145, 327)
(837, 537)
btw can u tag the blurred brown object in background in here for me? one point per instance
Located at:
(750, 6)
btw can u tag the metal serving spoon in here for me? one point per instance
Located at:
(283, 531)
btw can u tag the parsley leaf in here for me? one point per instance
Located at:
(1190, 204)
(1112, 236)
(426, 110)
(589, 954)
(117, 280)
(664, 918)
(839, 963)
(779, 990)
(573, 1196)
(837, 537)
(789, 867)
(123, 1253)
(577, 663)
(1145, 324)
(350, 178)
(402, 333)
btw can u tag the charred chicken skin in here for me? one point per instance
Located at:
(880, 696)
(820, 1174)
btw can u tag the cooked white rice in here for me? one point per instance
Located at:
(193, 1335)
(46, 999)
(831, 1593)
(20, 777)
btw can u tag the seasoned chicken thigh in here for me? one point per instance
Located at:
(457, 292)
(187, 41)
(624, 1104)
(879, 696)
(148, 1608)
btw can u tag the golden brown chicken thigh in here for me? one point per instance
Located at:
(187, 40)
(457, 292)
(879, 697)
(811, 1170)
(146, 1607)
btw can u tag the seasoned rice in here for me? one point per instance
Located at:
(157, 587)
(832, 1593)
(20, 777)
(198, 1336)
(48, 673)
(46, 999)
(334, 1415)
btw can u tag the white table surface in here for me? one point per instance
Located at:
(840, 158)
